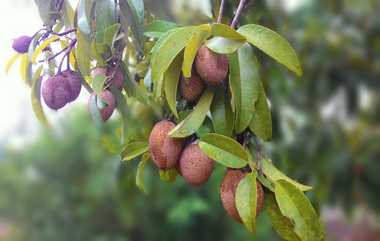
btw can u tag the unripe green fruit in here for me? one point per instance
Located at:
(191, 88)
(195, 166)
(212, 67)
(165, 151)
(227, 193)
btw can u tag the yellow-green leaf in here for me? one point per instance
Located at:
(294, 205)
(24, 67)
(134, 149)
(168, 49)
(273, 45)
(280, 223)
(223, 45)
(41, 47)
(36, 97)
(223, 30)
(168, 175)
(11, 61)
(171, 79)
(201, 33)
(273, 174)
(224, 150)
(195, 119)
(246, 201)
(140, 172)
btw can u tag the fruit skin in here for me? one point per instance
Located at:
(165, 151)
(191, 88)
(228, 189)
(117, 73)
(74, 79)
(110, 104)
(56, 92)
(195, 166)
(21, 44)
(211, 67)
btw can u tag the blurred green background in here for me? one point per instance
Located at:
(69, 184)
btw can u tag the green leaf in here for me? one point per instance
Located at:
(201, 33)
(171, 79)
(273, 45)
(223, 45)
(224, 150)
(84, 16)
(110, 33)
(82, 53)
(280, 223)
(294, 205)
(168, 175)
(68, 15)
(98, 83)
(104, 14)
(223, 30)
(41, 47)
(94, 110)
(246, 201)
(195, 119)
(250, 86)
(168, 49)
(158, 27)
(25, 68)
(134, 149)
(36, 97)
(205, 129)
(140, 173)
(273, 174)
(132, 14)
(221, 113)
(261, 123)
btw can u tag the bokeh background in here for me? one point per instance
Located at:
(69, 183)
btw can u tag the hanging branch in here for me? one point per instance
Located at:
(239, 10)
(221, 10)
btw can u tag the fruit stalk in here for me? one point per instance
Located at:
(221, 10)
(239, 10)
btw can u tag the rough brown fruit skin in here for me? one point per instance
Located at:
(228, 189)
(165, 151)
(195, 166)
(191, 88)
(211, 67)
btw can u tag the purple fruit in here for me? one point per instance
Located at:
(109, 105)
(116, 73)
(21, 44)
(74, 80)
(56, 92)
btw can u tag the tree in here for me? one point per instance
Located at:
(221, 115)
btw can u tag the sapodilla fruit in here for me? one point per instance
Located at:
(165, 151)
(191, 88)
(109, 104)
(21, 44)
(228, 189)
(74, 79)
(117, 75)
(195, 166)
(211, 67)
(56, 92)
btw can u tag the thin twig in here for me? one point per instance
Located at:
(238, 13)
(221, 10)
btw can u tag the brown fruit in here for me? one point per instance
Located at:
(165, 151)
(191, 88)
(195, 166)
(228, 189)
(109, 104)
(211, 67)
